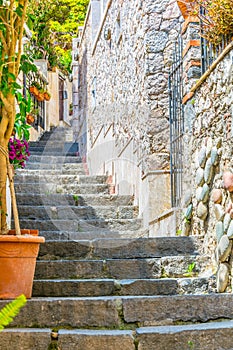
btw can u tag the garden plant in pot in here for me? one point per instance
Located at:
(18, 248)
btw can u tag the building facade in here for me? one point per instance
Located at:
(121, 114)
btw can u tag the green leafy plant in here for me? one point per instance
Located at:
(190, 270)
(179, 232)
(190, 344)
(11, 310)
(75, 198)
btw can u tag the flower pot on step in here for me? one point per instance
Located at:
(17, 263)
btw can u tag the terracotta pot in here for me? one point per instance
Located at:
(34, 90)
(17, 263)
(30, 119)
(46, 96)
(40, 96)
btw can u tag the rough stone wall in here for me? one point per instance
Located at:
(209, 167)
(131, 70)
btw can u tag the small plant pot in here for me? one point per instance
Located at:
(30, 119)
(47, 96)
(34, 90)
(17, 263)
(40, 97)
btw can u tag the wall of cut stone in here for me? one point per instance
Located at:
(123, 96)
(208, 172)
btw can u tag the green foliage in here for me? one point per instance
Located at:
(190, 270)
(179, 232)
(11, 310)
(54, 24)
(190, 344)
(218, 20)
(21, 127)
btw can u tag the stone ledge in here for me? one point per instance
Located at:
(190, 43)
(189, 20)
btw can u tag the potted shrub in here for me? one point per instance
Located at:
(18, 248)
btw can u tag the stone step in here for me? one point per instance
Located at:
(103, 287)
(67, 168)
(58, 178)
(71, 199)
(56, 152)
(96, 339)
(25, 339)
(77, 212)
(39, 339)
(141, 268)
(57, 134)
(97, 233)
(60, 144)
(79, 225)
(50, 187)
(53, 159)
(119, 248)
(120, 311)
(200, 336)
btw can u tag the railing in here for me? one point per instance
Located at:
(38, 106)
(210, 52)
(176, 117)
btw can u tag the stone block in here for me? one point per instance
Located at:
(185, 308)
(214, 336)
(143, 247)
(25, 339)
(149, 287)
(228, 180)
(224, 248)
(222, 277)
(96, 340)
(216, 196)
(69, 269)
(202, 211)
(68, 312)
(64, 249)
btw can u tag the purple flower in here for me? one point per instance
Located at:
(18, 152)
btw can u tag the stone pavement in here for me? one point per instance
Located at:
(100, 282)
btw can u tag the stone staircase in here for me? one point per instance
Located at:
(100, 282)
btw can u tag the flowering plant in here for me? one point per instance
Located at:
(18, 152)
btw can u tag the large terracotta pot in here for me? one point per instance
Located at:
(17, 263)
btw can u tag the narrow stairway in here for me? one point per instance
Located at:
(100, 282)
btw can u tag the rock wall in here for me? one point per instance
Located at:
(128, 73)
(209, 168)
(123, 95)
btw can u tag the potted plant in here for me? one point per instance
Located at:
(40, 96)
(47, 95)
(18, 248)
(34, 88)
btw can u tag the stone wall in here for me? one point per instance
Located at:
(209, 168)
(123, 96)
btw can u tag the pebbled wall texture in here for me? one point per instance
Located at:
(208, 164)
